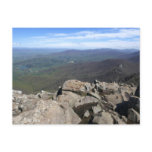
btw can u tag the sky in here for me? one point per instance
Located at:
(77, 38)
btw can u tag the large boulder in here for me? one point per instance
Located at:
(107, 87)
(48, 112)
(77, 86)
(70, 116)
(44, 113)
(28, 105)
(86, 103)
(127, 91)
(80, 88)
(94, 94)
(69, 97)
(22, 102)
(114, 98)
(105, 118)
(45, 95)
(125, 95)
(117, 118)
(79, 102)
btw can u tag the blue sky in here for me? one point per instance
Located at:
(77, 38)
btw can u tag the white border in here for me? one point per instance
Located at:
(70, 13)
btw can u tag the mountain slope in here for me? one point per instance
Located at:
(33, 69)
(108, 70)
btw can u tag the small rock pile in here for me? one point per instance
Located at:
(79, 102)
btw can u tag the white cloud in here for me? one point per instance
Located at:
(38, 37)
(60, 34)
(117, 44)
(124, 33)
(113, 44)
(87, 39)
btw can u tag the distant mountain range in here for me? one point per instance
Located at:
(37, 71)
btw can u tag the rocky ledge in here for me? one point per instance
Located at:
(79, 102)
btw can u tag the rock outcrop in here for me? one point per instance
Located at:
(79, 102)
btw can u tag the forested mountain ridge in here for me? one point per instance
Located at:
(46, 70)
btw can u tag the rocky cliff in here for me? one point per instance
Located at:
(79, 102)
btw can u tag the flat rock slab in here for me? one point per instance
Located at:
(69, 97)
(114, 98)
(108, 86)
(76, 86)
(45, 95)
(48, 112)
(84, 104)
(105, 118)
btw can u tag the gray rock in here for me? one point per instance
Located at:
(96, 109)
(70, 116)
(18, 100)
(17, 92)
(76, 86)
(84, 104)
(127, 91)
(125, 95)
(117, 120)
(86, 100)
(45, 95)
(28, 105)
(109, 86)
(69, 97)
(133, 116)
(78, 102)
(44, 113)
(96, 81)
(86, 114)
(124, 119)
(47, 112)
(88, 87)
(95, 95)
(105, 118)
(15, 109)
(114, 98)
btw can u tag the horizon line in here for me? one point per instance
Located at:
(75, 48)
